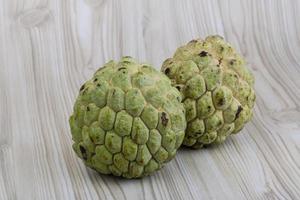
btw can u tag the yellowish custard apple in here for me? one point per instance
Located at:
(216, 87)
(128, 120)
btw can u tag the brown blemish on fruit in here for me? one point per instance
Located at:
(83, 152)
(239, 110)
(164, 119)
(232, 62)
(82, 87)
(203, 53)
(192, 41)
(121, 68)
(221, 102)
(167, 71)
(220, 62)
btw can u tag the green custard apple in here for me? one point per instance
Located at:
(216, 87)
(128, 120)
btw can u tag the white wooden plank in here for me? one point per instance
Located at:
(48, 48)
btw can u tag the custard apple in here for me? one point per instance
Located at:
(128, 120)
(216, 87)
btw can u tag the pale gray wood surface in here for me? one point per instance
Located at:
(49, 47)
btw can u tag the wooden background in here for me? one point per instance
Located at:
(49, 47)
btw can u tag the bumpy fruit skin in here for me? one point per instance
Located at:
(216, 87)
(128, 120)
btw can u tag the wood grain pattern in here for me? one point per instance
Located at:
(48, 48)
